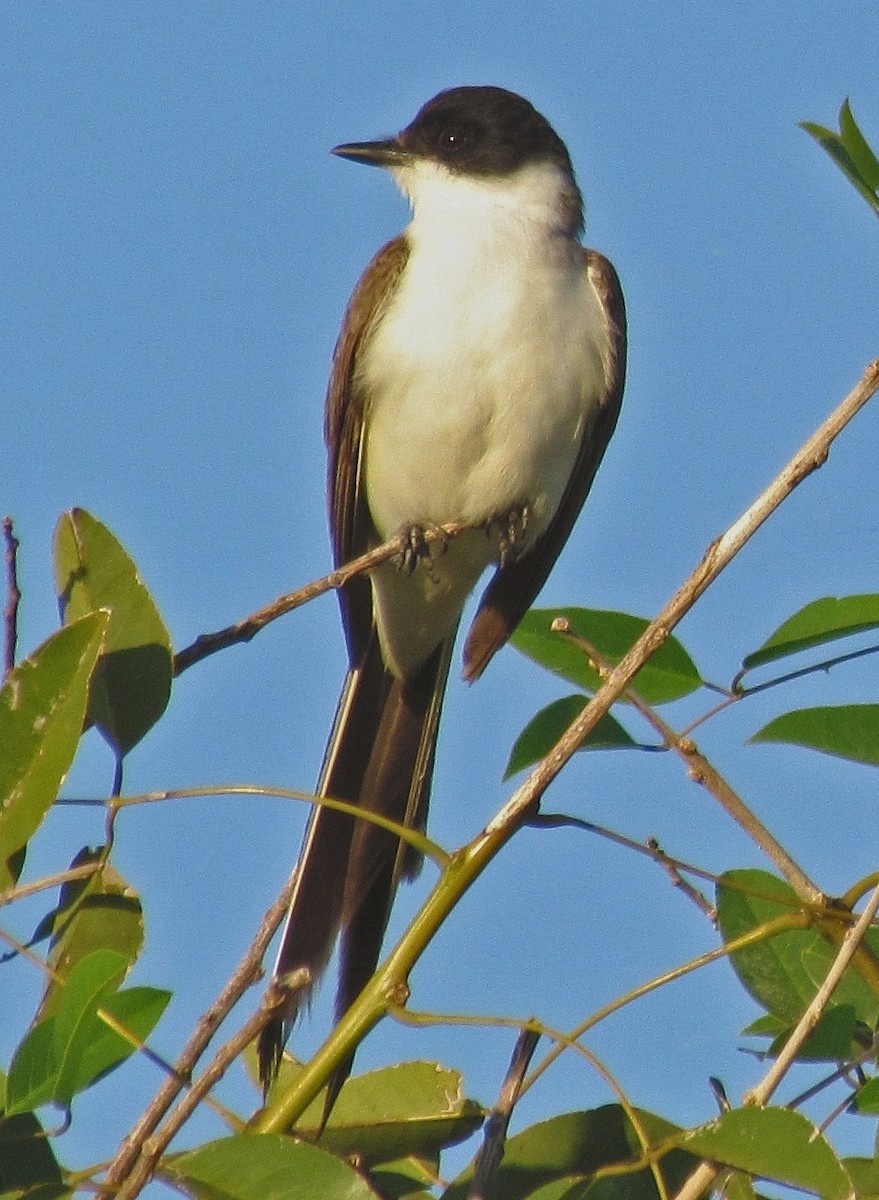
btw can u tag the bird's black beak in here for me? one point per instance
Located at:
(386, 153)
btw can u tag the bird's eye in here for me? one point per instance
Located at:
(452, 141)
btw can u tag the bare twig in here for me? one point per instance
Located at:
(153, 1147)
(683, 885)
(242, 631)
(701, 771)
(13, 597)
(495, 1134)
(248, 971)
(761, 1094)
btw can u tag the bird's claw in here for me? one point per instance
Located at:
(511, 529)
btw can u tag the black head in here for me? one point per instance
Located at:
(472, 131)
(483, 131)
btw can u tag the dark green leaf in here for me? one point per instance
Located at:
(252, 1166)
(822, 621)
(26, 1158)
(784, 972)
(405, 1178)
(546, 727)
(775, 1143)
(42, 708)
(132, 684)
(669, 674)
(579, 1144)
(846, 731)
(101, 912)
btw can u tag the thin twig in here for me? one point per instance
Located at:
(495, 1133)
(701, 771)
(20, 891)
(248, 971)
(699, 1182)
(761, 1094)
(153, 1148)
(683, 885)
(242, 631)
(13, 597)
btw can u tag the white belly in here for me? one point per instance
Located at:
(481, 377)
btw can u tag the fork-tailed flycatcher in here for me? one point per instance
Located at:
(477, 379)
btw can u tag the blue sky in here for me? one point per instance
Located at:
(179, 247)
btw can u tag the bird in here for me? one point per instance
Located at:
(477, 379)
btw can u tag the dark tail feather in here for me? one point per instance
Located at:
(380, 756)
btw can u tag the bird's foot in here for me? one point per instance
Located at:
(420, 549)
(511, 528)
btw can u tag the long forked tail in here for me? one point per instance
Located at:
(380, 757)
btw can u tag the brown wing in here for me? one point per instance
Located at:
(514, 587)
(350, 525)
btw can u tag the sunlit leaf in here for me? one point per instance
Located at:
(42, 708)
(132, 684)
(775, 1143)
(669, 674)
(546, 727)
(846, 731)
(252, 1166)
(864, 1174)
(409, 1108)
(822, 621)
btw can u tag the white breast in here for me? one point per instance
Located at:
(481, 378)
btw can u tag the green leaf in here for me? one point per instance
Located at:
(822, 621)
(858, 147)
(669, 675)
(832, 1040)
(412, 1108)
(784, 972)
(405, 1178)
(26, 1158)
(864, 1173)
(42, 708)
(840, 150)
(132, 684)
(46, 1066)
(578, 1144)
(101, 1049)
(866, 1098)
(100, 912)
(846, 731)
(546, 727)
(775, 1143)
(252, 1166)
